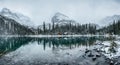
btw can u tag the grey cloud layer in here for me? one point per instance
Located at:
(79, 10)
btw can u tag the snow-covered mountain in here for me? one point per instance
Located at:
(60, 18)
(9, 26)
(20, 18)
(110, 19)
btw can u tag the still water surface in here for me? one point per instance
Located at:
(41, 51)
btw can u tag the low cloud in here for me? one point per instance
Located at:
(79, 10)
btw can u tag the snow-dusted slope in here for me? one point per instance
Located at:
(60, 18)
(20, 18)
(110, 19)
(9, 26)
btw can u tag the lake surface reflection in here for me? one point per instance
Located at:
(43, 51)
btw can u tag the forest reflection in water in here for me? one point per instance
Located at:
(12, 43)
(50, 50)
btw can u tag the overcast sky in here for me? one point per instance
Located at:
(79, 10)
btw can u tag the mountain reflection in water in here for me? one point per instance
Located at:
(13, 43)
(32, 50)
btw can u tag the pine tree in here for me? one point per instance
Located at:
(53, 27)
(49, 27)
(44, 28)
(114, 29)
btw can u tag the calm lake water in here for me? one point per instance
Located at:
(44, 51)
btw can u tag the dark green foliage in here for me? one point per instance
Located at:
(44, 27)
(113, 28)
(11, 27)
(69, 28)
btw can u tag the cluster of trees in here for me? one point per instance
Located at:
(69, 28)
(10, 26)
(113, 28)
(76, 28)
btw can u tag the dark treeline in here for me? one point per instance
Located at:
(113, 28)
(76, 28)
(69, 28)
(11, 27)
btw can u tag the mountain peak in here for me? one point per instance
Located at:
(60, 14)
(59, 17)
(5, 10)
(20, 18)
(109, 20)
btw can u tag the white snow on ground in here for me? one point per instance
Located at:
(107, 45)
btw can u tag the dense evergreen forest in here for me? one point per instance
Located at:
(65, 27)
(68, 28)
(77, 28)
(113, 28)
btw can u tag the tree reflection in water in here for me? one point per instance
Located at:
(12, 43)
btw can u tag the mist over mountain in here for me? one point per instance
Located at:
(9, 26)
(16, 23)
(20, 18)
(61, 19)
(59, 32)
(109, 20)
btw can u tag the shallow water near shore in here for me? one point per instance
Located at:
(53, 51)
